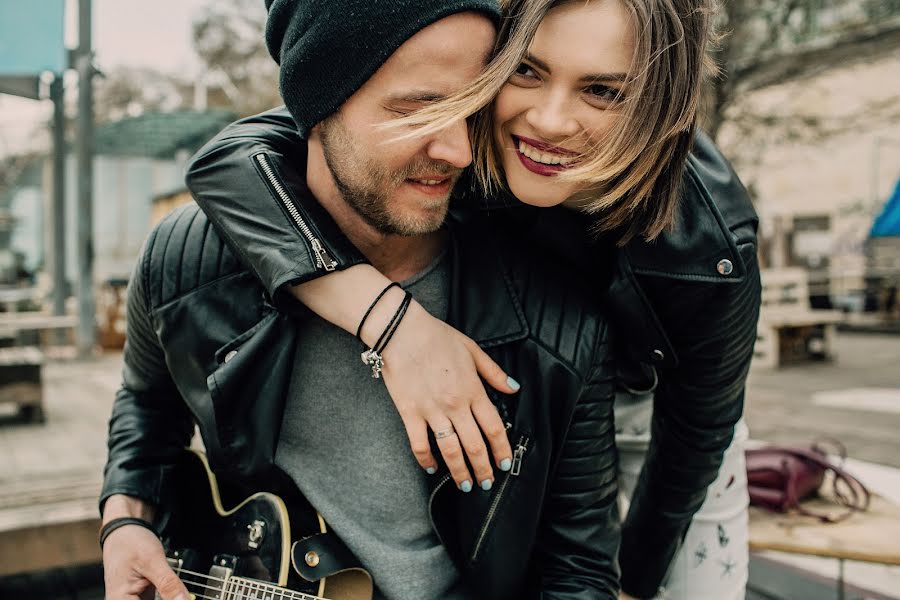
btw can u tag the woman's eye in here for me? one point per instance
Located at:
(604, 92)
(525, 71)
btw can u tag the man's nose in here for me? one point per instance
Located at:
(452, 145)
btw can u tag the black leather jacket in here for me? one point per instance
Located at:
(205, 345)
(686, 304)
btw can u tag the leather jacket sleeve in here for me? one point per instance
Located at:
(712, 328)
(150, 423)
(273, 225)
(577, 547)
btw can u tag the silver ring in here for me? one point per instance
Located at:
(439, 435)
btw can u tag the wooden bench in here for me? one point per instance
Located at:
(20, 381)
(15, 324)
(872, 536)
(48, 522)
(789, 329)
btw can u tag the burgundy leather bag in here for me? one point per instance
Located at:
(780, 477)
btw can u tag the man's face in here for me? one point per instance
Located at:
(403, 187)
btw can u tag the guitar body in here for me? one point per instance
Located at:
(225, 547)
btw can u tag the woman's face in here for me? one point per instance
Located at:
(563, 98)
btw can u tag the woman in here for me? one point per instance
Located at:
(595, 110)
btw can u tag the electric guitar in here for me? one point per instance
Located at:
(261, 548)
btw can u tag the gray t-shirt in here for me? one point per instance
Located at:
(344, 445)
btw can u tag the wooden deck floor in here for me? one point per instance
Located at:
(50, 473)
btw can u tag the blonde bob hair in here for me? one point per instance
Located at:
(636, 171)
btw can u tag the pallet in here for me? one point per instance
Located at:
(789, 330)
(20, 381)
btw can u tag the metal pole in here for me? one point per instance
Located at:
(58, 214)
(85, 152)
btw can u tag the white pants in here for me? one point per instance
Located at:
(713, 561)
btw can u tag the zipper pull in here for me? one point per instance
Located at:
(323, 259)
(518, 454)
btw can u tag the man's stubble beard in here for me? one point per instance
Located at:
(367, 186)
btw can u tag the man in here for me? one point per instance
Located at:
(276, 392)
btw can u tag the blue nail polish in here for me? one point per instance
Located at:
(486, 484)
(505, 464)
(513, 384)
(431, 470)
(466, 486)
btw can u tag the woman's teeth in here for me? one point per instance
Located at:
(545, 158)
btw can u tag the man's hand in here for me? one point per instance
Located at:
(624, 596)
(134, 563)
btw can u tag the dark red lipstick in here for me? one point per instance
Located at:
(541, 168)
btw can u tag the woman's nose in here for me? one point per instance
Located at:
(553, 118)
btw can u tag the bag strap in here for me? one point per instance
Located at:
(854, 497)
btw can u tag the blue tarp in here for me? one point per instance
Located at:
(888, 222)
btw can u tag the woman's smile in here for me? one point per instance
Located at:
(543, 158)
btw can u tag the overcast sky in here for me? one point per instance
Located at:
(138, 33)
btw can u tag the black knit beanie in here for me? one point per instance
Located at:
(328, 49)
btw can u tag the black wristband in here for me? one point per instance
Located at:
(372, 306)
(121, 522)
(388, 332)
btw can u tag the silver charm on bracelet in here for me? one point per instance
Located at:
(374, 360)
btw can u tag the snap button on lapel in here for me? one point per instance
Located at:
(658, 355)
(311, 558)
(725, 267)
(230, 355)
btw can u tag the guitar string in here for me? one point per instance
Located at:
(295, 594)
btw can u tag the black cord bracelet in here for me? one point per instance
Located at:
(121, 522)
(372, 357)
(389, 331)
(372, 306)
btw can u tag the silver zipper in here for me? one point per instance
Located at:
(323, 259)
(517, 456)
(516, 468)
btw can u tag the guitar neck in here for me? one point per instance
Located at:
(238, 588)
(209, 587)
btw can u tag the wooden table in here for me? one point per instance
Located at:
(872, 536)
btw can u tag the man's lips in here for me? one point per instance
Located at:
(431, 184)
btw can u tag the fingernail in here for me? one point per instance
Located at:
(431, 470)
(505, 464)
(512, 383)
(466, 486)
(486, 484)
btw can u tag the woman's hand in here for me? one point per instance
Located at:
(431, 371)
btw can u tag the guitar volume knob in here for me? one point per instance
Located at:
(257, 531)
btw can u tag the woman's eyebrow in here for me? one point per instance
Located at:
(619, 77)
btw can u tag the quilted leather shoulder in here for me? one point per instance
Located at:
(183, 253)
